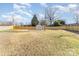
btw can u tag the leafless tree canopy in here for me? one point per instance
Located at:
(50, 14)
(77, 18)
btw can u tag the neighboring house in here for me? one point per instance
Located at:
(6, 26)
(6, 23)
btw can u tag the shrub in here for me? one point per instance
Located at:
(59, 22)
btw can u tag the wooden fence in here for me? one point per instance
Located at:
(66, 27)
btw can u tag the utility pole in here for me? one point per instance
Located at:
(13, 21)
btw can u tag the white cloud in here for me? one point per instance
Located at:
(76, 12)
(17, 6)
(74, 8)
(72, 5)
(63, 8)
(3, 16)
(21, 9)
(26, 4)
(18, 16)
(22, 12)
(44, 4)
(31, 11)
(20, 19)
(41, 15)
(30, 15)
(68, 8)
(7, 17)
(60, 7)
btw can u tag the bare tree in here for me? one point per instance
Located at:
(76, 15)
(50, 14)
(77, 18)
(77, 21)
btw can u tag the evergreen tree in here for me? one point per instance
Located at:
(34, 21)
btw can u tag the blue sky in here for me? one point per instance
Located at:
(23, 12)
(5, 11)
(6, 7)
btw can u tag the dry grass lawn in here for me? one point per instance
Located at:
(48, 42)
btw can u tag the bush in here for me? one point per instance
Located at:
(59, 23)
(34, 21)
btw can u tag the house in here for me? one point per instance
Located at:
(6, 26)
(7, 23)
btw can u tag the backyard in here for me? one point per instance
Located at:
(35, 29)
(35, 42)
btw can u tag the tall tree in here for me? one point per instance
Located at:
(50, 14)
(34, 21)
(75, 12)
(77, 18)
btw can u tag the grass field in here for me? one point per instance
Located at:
(48, 42)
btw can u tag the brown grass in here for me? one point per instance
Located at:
(48, 42)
